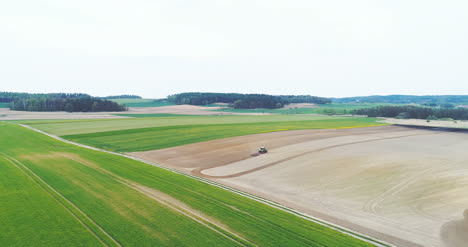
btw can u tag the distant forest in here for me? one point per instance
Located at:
(123, 96)
(406, 99)
(58, 102)
(406, 112)
(244, 101)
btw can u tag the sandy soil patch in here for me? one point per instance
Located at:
(221, 104)
(433, 123)
(226, 151)
(300, 105)
(7, 114)
(398, 184)
(455, 234)
(175, 109)
(185, 109)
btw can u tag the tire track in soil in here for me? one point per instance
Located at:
(199, 171)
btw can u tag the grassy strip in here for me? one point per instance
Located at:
(4, 105)
(144, 139)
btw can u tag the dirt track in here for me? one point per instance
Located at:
(394, 183)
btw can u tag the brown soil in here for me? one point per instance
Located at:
(397, 184)
(7, 114)
(221, 152)
(300, 105)
(184, 109)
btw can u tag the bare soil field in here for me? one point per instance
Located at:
(185, 109)
(7, 114)
(402, 185)
(175, 109)
(462, 124)
(300, 105)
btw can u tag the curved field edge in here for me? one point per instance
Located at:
(98, 196)
(144, 139)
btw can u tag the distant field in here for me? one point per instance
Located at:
(339, 108)
(73, 127)
(4, 105)
(141, 102)
(153, 115)
(57, 194)
(144, 139)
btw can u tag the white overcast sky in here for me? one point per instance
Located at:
(154, 48)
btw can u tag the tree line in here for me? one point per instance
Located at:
(7, 97)
(414, 112)
(244, 101)
(123, 96)
(58, 102)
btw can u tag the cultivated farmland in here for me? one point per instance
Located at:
(398, 184)
(74, 127)
(57, 194)
(141, 102)
(175, 131)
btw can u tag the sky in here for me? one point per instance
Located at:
(332, 48)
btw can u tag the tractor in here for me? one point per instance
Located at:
(262, 150)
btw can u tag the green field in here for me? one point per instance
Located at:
(57, 194)
(144, 139)
(141, 102)
(328, 109)
(4, 105)
(73, 127)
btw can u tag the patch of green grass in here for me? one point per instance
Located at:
(100, 186)
(4, 105)
(142, 102)
(144, 139)
(73, 127)
(32, 217)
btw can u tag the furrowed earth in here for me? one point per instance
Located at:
(397, 184)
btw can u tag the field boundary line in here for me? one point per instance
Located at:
(39, 180)
(330, 225)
